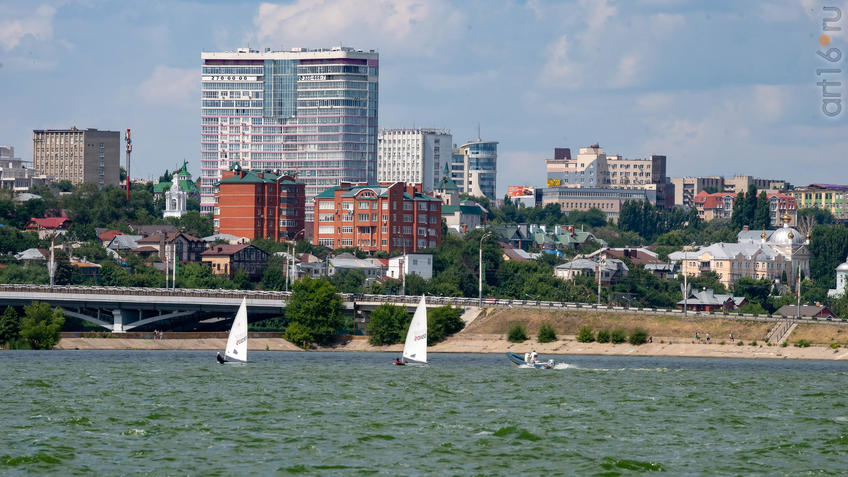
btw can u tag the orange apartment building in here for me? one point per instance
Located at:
(386, 216)
(259, 204)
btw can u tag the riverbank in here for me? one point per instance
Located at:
(484, 343)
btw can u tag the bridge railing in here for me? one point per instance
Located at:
(396, 299)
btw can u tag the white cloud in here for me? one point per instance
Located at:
(171, 86)
(366, 24)
(607, 50)
(626, 74)
(38, 25)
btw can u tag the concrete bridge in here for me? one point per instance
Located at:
(121, 309)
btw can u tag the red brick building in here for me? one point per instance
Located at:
(256, 204)
(387, 216)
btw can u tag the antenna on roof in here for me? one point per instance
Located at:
(478, 132)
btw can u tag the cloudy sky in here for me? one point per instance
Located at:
(721, 87)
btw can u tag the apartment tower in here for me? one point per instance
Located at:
(415, 156)
(310, 112)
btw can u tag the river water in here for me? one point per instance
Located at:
(168, 413)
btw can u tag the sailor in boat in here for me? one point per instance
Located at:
(220, 358)
(399, 362)
(533, 357)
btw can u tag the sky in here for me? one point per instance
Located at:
(720, 87)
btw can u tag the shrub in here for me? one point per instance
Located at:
(638, 336)
(299, 335)
(517, 334)
(754, 343)
(834, 345)
(721, 342)
(603, 336)
(443, 322)
(784, 344)
(802, 344)
(585, 335)
(547, 333)
(740, 343)
(618, 336)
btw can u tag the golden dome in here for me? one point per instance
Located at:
(763, 235)
(786, 218)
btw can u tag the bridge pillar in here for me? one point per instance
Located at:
(120, 317)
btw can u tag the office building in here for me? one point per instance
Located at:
(14, 174)
(594, 169)
(77, 155)
(608, 200)
(385, 217)
(474, 168)
(415, 156)
(259, 204)
(309, 111)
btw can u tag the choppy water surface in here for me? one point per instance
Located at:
(160, 412)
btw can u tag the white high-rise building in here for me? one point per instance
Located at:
(416, 156)
(310, 112)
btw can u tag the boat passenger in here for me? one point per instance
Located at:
(533, 356)
(399, 362)
(220, 358)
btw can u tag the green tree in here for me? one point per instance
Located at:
(10, 325)
(756, 291)
(348, 281)
(820, 216)
(762, 214)
(273, 279)
(443, 322)
(387, 325)
(40, 326)
(315, 305)
(828, 248)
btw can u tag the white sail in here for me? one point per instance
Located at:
(415, 348)
(237, 342)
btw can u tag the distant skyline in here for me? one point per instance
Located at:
(720, 87)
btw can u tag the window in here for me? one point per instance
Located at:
(347, 230)
(362, 217)
(325, 229)
(325, 204)
(327, 242)
(325, 217)
(422, 206)
(407, 206)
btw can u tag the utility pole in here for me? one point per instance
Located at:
(480, 275)
(52, 258)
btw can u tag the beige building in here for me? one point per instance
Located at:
(594, 169)
(686, 188)
(769, 256)
(79, 156)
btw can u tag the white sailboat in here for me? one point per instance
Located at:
(415, 348)
(237, 341)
